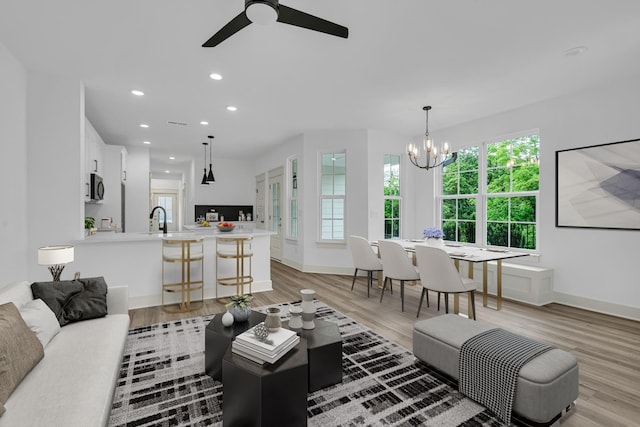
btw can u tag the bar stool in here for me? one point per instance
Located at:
(238, 251)
(184, 252)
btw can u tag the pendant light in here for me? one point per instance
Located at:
(204, 177)
(210, 177)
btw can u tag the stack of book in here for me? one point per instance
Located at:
(268, 350)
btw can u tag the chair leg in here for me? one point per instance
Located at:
(353, 282)
(369, 281)
(473, 303)
(384, 285)
(402, 294)
(438, 301)
(446, 303)
(424, 291)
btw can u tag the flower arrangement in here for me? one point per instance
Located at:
(433, 233)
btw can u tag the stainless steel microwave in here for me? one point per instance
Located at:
(97, 187)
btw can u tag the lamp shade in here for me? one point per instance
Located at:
(54, 255)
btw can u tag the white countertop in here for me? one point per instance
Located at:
(191, 231)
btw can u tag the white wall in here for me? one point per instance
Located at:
(234, 185)
(13, 170)
(55, 150)
(137, 190)
(592, 268)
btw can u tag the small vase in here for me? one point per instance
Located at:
(272, 322)
(295, 322)
(241, 314)
(308, 308)
(434, 242)
(227, 319)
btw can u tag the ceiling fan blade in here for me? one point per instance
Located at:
(235, 25)
(295, 17)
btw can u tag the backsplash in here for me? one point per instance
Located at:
(229, 212)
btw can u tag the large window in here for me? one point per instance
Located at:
(491, 195)
(392, 200)
(459, 197)
(333, 174)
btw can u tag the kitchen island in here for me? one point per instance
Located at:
(135, 260)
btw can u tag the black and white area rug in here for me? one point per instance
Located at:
(162, 382)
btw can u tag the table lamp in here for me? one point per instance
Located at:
(55, 257)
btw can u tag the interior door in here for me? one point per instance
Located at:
(275, 215)
(169, 201)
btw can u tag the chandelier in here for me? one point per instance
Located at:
(434, 156)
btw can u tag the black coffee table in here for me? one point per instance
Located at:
(217, 340)
(265, 395)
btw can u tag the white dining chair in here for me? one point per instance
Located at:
(396, 265)
(365, 259)
(439, 274)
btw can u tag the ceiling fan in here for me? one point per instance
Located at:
(267, 11)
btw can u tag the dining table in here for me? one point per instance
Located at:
(473, 255)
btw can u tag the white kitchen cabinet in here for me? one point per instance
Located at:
(94, 157)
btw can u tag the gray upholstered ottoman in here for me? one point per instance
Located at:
(547, 384)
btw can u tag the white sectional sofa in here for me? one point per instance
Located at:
(74, 382)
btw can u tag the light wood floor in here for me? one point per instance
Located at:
(607, 348)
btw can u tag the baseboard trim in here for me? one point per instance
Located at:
(604, 307)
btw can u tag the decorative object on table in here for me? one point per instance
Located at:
(308, 308)
(272, 322)
(240, 307)
(434, 156)
(226, 226)
(56, 257)
(261, 346)
(295, 322)
(261, 332)
(227, 318)
(433, 237)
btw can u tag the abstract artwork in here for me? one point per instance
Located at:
(599, 186)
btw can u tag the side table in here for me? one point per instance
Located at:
(217, 340)
(265, 395)
(324, 350)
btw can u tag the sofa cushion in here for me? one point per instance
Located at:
(20, 350)
(18, 293)
(74, 300)
(40, 319)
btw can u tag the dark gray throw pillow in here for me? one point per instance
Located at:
(73, 300)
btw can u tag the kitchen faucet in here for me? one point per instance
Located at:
(164, 222)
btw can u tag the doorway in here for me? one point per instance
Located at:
(169, 201)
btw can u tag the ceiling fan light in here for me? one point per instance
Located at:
(262, 12)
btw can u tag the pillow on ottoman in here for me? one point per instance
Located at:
(74, 300)
(20, 350)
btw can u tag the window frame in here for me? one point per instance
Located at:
(293, 183)
(333, 196)
(482, 197)
(386, 197)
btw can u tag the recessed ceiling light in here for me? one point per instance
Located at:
(215, 76)
(172, 157)
(232, 108)
(575, 51)
(146, 142)
(137, 92)
(167, 171)
(144, 126)
(204, 123)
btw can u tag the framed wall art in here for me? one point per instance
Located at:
(599, 186)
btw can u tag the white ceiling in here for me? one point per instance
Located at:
(466, 58)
